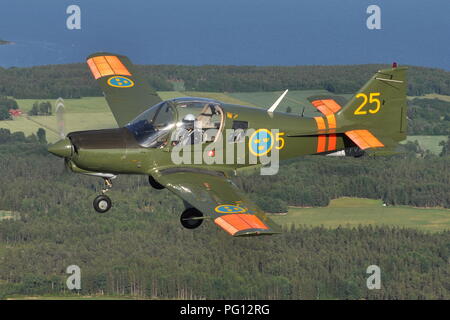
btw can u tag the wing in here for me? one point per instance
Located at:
(216, 196)
(128, 94)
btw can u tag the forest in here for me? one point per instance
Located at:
(428, 117)
(74, 80)
(139, 249)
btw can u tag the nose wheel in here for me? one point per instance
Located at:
(102, 203)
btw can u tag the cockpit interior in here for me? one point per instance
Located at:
(181, 120)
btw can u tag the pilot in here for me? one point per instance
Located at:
(188, 122)
(188, 132)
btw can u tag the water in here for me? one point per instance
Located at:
(236, 32)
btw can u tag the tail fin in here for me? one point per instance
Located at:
(128, 94)
(376, 114)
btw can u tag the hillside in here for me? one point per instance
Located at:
(74, 80)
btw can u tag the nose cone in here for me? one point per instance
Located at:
(63, 148)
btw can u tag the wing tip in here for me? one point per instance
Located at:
(255, 233)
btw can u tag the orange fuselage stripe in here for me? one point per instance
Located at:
(321, 143)
(332, 142)
(331, 121)
(320, 123)
(322, 139)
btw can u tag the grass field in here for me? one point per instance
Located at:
(430, 143)
(351, 212)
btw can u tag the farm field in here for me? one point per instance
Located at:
(433, 96)
(351, 212)
(430, 143)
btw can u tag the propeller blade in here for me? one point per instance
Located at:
(60, 123)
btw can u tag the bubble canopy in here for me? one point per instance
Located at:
(152, 128)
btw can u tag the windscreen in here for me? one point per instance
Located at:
(152, 127)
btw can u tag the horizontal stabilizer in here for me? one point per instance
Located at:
(326, 106)
(364, 139)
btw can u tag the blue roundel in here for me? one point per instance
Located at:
(261, 142)
(120, 82)
(229, 208)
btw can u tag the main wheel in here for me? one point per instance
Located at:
(102, 203)
(155, 184)
(188, 220)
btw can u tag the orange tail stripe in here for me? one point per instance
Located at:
(332, 105)
(326, 106)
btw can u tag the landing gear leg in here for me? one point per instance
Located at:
(102, 203)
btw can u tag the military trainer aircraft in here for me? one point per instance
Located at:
(144, 143)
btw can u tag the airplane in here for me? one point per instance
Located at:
(375, 117)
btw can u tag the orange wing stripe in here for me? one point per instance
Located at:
(102, 66)
(364, 139)
(117, 66)
(94, 69)
(326, 106)
(233, 223)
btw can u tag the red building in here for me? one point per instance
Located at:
(15, 112)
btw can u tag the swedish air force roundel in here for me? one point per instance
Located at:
(120, 82)
(261, 142)
(229, 208)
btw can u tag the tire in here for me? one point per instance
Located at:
(102, 203)
(187, 221)
(155, 184)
